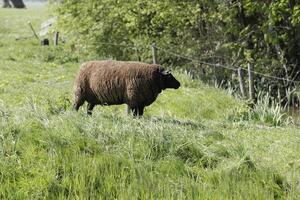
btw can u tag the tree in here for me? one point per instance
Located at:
(15, 3)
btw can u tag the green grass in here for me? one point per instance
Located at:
(192, 143)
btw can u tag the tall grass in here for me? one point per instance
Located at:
(268, 111)
(69, 155)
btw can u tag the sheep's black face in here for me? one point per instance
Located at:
(170, 81)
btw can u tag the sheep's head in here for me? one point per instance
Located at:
(168, 80)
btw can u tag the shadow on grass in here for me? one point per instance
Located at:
(193, 125)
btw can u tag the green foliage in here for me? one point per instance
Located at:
(265, 33)
(92, 25)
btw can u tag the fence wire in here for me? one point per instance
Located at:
(272, 77)
(196, 60)
(232, 68)
(129, 46)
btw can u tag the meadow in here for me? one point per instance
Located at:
(197, 142)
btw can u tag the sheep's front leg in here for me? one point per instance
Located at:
(138, 111)
(141, 110)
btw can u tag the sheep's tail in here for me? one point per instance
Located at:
(78, 97)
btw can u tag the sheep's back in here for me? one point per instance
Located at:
(117, 82)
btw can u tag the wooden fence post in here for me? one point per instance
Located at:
(251, 84)
(56, 34)
(241, 81)
(34, 33)
(154, 53)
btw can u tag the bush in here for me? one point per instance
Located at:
(260, 32)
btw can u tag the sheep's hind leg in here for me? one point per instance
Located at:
(90, 108)
(77, 104)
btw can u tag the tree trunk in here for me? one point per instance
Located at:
(17, 3)
(6, 4)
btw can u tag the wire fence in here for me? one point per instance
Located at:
(167, 51)
(232, 68)
(235, 69)
(289, 93)
(228, 67)
(196, 60)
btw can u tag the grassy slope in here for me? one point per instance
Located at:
(184, 147)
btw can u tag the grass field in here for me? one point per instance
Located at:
(193, 143)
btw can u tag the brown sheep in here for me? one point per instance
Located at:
(116, 82)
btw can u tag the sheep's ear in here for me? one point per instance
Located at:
(162, 71)
(166, 72)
